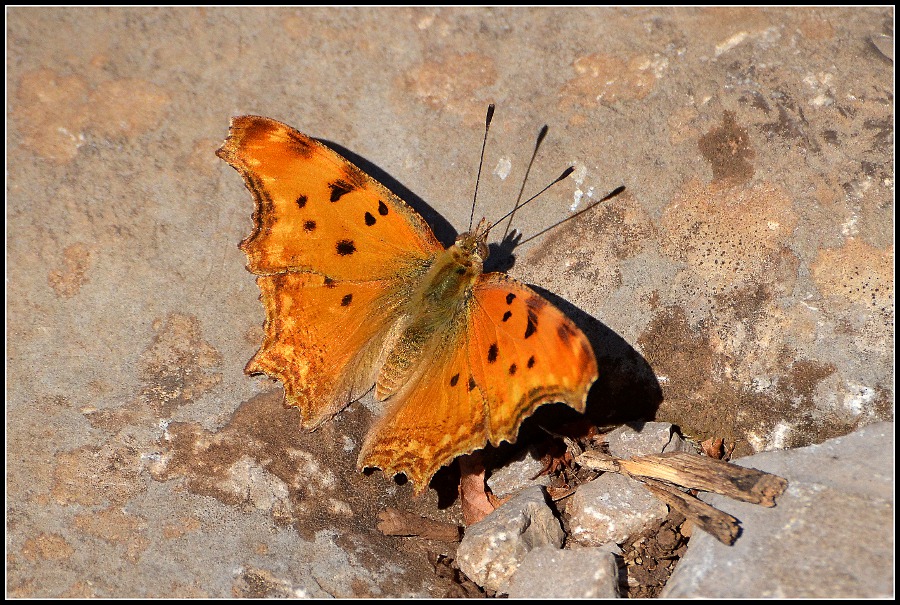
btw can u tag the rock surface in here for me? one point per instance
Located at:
(492, 549)
(742, 285)
(584, 573)
(611, 508)
(518, 474)
(830, 535)
(642, 439)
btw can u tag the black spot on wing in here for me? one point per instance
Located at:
(507, 315)
(471, 384)
(338, 189)
(370, 220)
(530, 362)
(309, 226)
(454, 379)
(492, 353)
(512, 369)
(346, 300)
(382, 208)
(531, 328)
(328, 282)
(345, 247)
(510, 297)
(301, 201)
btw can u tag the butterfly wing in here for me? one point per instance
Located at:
(324, 339)
(524, 352)
(335, 252)
(316, 211)
(508, 351)
(438, 415)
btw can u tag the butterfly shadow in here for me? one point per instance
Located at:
(500, 256)
(442, 228)
(626, 389)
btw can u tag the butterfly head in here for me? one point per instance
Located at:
(474, 243)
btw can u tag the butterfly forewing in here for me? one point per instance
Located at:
(316, 211)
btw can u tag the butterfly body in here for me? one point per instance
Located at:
(435, 304)
(358, 291)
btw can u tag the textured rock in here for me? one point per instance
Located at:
(582, 573)
(830, 535)
(611, 508)
(644, 438)
(517, 474)
(492, 549)
(741, 287)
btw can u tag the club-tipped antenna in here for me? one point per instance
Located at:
(565, 174)
(537, 145)
(487, 125)
(608, 196)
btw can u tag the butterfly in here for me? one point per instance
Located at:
(358, 292)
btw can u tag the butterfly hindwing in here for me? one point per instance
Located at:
(524, 352)
(323, 339)
(507, 352)
(437, 416)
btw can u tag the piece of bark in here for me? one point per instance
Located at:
(394, 522)
(721, 526)
(696, 472)
(710, 475)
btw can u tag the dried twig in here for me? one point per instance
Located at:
(721, 526)
(695, 472)
(663, 474)
(394, 522)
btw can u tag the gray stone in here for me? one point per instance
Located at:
(583, 573)
(492, 549)
(611, 508)
(517, 474)
(645, 438)
(831, 534)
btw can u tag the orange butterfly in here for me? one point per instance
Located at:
(358, 290)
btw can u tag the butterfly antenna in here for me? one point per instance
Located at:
(487, 125)
(609, 196)
(565, 174)
(537, 145)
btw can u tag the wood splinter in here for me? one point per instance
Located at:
(395, 522)
(682, 470)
